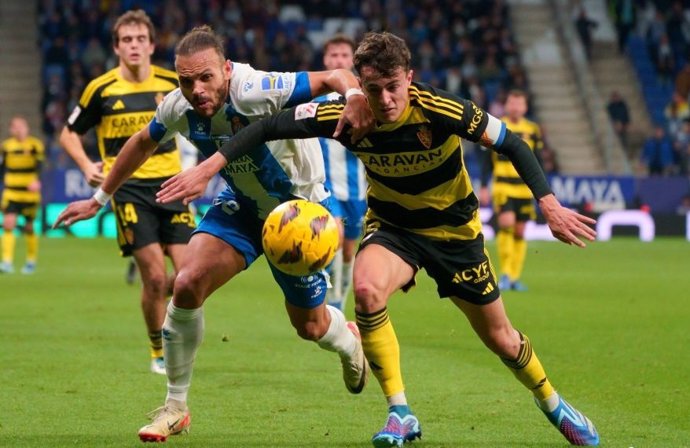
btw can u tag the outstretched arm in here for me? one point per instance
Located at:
(566, 225)
(357, 113)
(134, 153)
(191, 184)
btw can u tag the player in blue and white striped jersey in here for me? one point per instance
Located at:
(345, 179)
(215, 99)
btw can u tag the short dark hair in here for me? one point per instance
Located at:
(338, 39)
(384, 52)
(517, 92)
(134, 17)
(198, 39)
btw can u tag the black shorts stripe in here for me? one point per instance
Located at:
(457, 214)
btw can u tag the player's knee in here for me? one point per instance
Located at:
(310, 331)
(504, 341)
(368, 297)
(155, 284)
(188, 289)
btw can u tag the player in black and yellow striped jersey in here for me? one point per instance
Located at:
(119, 104)
(511, 197)
(21, 158)
(422, 214)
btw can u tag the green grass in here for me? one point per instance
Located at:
(610, 323)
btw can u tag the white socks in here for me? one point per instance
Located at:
(338, 337)
(183, 331)
(341, 276)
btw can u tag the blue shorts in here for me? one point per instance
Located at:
(352, 213)
(239, 226)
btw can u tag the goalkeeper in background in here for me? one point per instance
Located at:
(511, 197)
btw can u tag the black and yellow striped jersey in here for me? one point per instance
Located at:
(22, 162)
(118, 109)
(506, 180)
(415, 168)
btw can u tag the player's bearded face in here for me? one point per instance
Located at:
(388, 96)
(204, 78)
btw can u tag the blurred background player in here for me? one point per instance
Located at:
(345, 180)
(188, 158)
(21, 158)
(119, 103)
(512, 199)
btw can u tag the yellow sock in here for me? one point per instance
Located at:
(156, 340)
(381, 348)
(518, 258)
(504, 243)
(529, 371)
(31, 248)
(8, 241)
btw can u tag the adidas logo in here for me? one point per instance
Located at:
(364, 143)
(488, 289)
(119, 105)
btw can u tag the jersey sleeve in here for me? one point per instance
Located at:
(467, 120)
(87, 113)
(306, 120)
(263, 93)
(167, 121)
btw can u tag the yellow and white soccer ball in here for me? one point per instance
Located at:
(300, 237)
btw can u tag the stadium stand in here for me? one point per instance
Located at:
(465, 47)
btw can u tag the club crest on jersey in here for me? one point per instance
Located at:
(272, 82)
(424, 136)
(291, 213)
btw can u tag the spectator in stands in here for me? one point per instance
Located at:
(584, 26)
(620, 117)
(676, 111)
(625, 18)
(681, 148)
(657, 154)
(664, 61)
(683, 81)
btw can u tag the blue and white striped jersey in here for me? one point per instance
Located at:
(345, 176)
(275, 172)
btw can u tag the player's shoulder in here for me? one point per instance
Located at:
(164, 73)
(33, 140)
(436, 101)
(98, 84)
(174, 106)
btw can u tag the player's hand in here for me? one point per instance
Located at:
(484, 196)
(34, 186)
(188, 185)
(566, 225)
(77, 211)
(94, 174)
(358, 115)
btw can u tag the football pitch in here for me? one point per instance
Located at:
(610, 323)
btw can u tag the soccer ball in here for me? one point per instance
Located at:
(300, 237)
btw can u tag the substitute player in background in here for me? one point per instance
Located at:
(21, 157)
(512, 199)
(346, 181)
(120, 103)
(422, 214)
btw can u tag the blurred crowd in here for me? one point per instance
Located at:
(467, 47)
